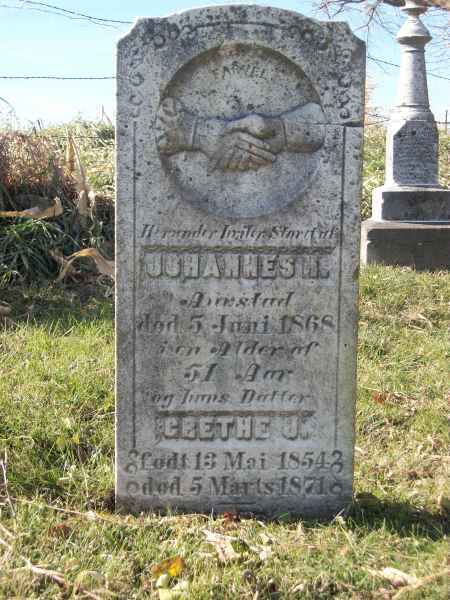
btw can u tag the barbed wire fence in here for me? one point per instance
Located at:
(48, 8)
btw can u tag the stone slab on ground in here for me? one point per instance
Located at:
(239, 177)
(411, 204)
(419, 245)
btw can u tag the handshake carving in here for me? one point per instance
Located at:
(246, 143)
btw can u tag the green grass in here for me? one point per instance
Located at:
(57, 403)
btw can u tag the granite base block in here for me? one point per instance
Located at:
(411, 204)
(419, 245)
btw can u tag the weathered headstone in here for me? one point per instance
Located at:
(410, 222)
(239, 157)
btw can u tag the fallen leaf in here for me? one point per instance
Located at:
(37, 212)
(300, 587)
(231, 520)
(394, 576)
(163, 581)
(172, 566)
(231, 517)
(104, 266)
(223, 545)
(380, 397)
(300, 531)
(395, 398)
(264, 553)
(61, 530)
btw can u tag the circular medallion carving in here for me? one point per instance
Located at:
(238, 130)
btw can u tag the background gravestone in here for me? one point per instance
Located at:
(410, 224)
(239, 156)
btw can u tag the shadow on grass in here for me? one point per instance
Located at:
(402, 518)
(57, 304)
(371, 514)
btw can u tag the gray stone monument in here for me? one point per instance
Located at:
(410, 222)
(239, 172)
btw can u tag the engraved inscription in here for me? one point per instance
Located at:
(231, 427)
(407, 149)
(243, 232)
(233, 265)
(304, 462)
(230, 487)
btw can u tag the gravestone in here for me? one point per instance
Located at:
(239, 158)
(410, 223)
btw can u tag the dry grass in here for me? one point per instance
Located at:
(36, 167)
(30, 167)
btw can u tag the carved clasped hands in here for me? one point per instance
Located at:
(246, 143)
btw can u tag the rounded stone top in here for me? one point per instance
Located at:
(237, 11)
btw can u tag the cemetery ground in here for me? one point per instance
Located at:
(59, 534)
(57, 406)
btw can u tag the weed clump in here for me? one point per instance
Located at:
(58, 167)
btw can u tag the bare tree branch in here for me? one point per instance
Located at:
(384, 14)
(342, 4)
